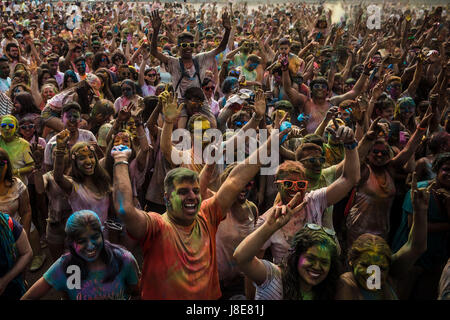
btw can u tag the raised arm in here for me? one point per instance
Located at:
(134, 219)
(171, 111)
(351, 172)
(244, 172)
(416, 245)
(408, 151)
(246, 253)
(356, 90)
(156, 24)
(295, 97)
(58, 173)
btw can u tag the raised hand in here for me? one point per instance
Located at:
(280, 215)
(62, 138)
(120, 152)
(226, 23)
(374, 129)
(125, 113)
(419, 197)
(343, 134)
(155, 19)
(171, 110)
(260, 103)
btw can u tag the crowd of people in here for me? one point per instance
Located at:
(92, 95)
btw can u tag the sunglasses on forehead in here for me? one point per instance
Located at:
(290, 184)
(313, 226)
(10, 125)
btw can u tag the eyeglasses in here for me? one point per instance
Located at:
(313, 226)
(103, 59)
(320, 86)
(289, 184)
(210, 88)
(196, 102)
(152, 74)
(27, 127)
(11, 125)
(240, 123)
(185, 45)
(383, 152)
(321, 160)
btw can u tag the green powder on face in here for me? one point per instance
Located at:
(176, 202)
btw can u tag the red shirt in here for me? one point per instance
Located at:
(180, 262)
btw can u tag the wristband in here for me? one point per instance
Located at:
(140, 137)
(351, 146)
(421, 129)
(120, 162)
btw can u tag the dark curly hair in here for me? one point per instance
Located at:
(303, 240)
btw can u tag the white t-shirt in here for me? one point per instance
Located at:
(206, 61)
(272, 288)
(83, 136)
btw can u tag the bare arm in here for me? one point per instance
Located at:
(25, 211)
(351, 171)
(58, 172)
(24, 258)
(417, 239)
(156, 24)
(246, 253)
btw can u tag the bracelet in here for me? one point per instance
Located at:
(351, 146)
(120, 162)
(421, 129)
(140, 137)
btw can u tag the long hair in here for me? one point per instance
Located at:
(9, 174)
(69, 74)
(109, 160)
(76, 225)
(96, 62)
(27, 103)
(105, 76)
(41, 74)
(304, 239)
(100, 178)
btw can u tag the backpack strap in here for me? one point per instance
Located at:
(184, 74)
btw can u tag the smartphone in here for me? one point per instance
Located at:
(129, 37)
(402, 138)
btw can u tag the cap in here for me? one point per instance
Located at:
(234, 99)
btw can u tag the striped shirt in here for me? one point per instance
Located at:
(6, 104)
(272, 288)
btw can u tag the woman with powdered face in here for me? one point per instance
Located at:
(310, 269)
(370, 250)
(88, 186)
(107, 271)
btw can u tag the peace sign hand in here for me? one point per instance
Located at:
(280, 215)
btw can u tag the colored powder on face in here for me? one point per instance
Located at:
(176, 202)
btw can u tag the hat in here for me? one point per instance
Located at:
(94, 82)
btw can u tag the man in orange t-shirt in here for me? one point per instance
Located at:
(179, 246)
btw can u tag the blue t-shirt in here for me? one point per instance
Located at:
(93, 288)
(437, 243)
